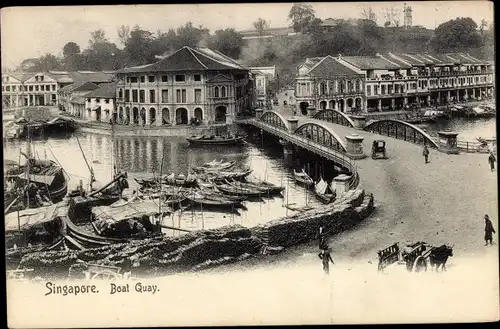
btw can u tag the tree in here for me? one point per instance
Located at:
(70, 49)
(47, 62)
(228, 42)
(367, 13)
(71, 56)
(123, 34)
(98, 36)
(456, 35)
(301, 14)
(139, 47)
(101, 54)
(191, 36)
(260, 25)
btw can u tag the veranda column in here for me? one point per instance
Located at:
(148, 118)
(379, 105)
(159, 116)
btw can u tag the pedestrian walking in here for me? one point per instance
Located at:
(326, 258)
(488, 230)
(492, 160)
(425, 153)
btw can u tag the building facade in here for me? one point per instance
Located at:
(70, 97)
(100, 103)
(325, 83)
(42, 88)
(401, 81)
(191, 84)
(263, 76)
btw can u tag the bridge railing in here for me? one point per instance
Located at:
(473, 147)
(338, 157)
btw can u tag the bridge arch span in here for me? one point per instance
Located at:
(274, 119)
(321, 134)
(401, 130)
(335, 116)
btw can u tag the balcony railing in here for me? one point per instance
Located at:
(392, 78)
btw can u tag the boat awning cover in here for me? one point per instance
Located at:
(127, 210)
(34, 216)
(41, 179)
(321, 186)
(478, 110)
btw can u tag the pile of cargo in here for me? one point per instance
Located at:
(158, 256)
(303, 227)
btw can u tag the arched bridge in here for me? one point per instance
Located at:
(401, 130)
(317, 137)
(334, 116)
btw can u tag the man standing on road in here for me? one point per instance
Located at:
(425, 153)
(326, 258)
(322, 238)
(488, 230)
(492, 160)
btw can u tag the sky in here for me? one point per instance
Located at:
(28, 32)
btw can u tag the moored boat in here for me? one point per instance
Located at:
(324, 192)
(215, 140)
(303, 178)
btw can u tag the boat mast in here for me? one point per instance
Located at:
(92, 177)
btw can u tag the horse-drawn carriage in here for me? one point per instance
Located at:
(378, 150)
(416, 256)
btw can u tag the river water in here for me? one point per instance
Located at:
(142, 156)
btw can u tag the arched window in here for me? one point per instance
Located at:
(223, 91)
(120, 93)
(216, 92)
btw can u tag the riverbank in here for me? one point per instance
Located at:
(207, 248)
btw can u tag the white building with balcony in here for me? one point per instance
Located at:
(191, 83)
(42, 88)
(326, 83)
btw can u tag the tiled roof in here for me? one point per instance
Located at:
(21, 76)
(80, 76)
(372, 63)
(105, 90)
(79, 86)
(413, 60)
(330, 67)
(78, 100)
(190, 59)
(439, 59)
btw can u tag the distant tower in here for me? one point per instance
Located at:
(407, 13)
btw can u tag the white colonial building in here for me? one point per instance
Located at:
(191, 83)
(42, 88)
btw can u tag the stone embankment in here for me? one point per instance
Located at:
(208, 248)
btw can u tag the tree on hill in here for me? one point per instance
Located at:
(139, 47)
(71, 56)
(101, 54)
(456, 35)
(301, 15)
(228, 41)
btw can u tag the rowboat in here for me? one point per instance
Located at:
(201, 199)
(303, 178)
(324, 192)
(215, 140)
(234, 190)
(218, 165)
(265, 189)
